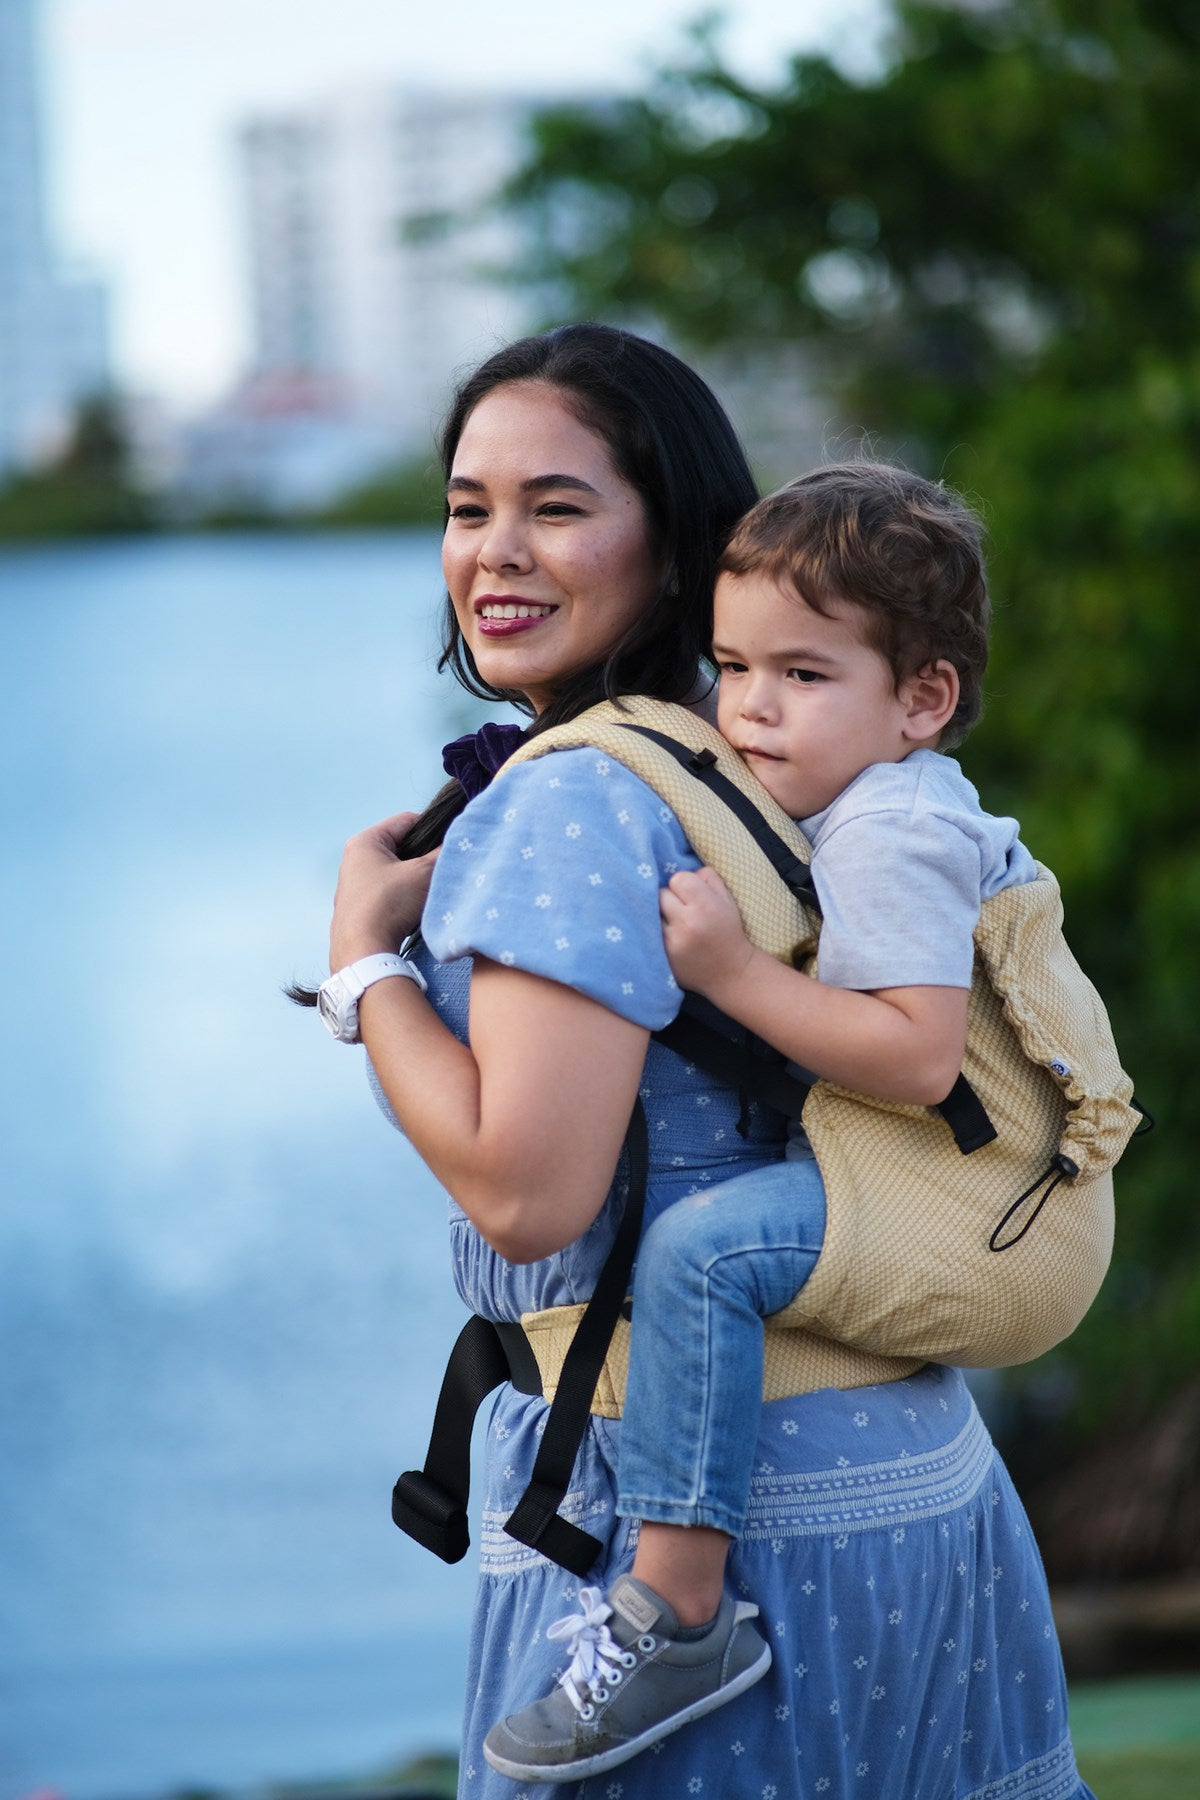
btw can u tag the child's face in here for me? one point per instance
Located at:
(803, 698)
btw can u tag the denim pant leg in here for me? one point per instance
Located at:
(709, 1269)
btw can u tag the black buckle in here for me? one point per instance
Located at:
(427, 1513)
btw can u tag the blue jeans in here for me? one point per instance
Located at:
(709, 1269)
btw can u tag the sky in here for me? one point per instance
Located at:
(143, 98)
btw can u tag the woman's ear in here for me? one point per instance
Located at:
(930, 698)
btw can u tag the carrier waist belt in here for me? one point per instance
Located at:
(430, 1504)
(794, 1361)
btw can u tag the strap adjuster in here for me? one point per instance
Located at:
(423, 1509)
(539, 1525)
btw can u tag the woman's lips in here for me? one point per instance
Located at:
(503, 615)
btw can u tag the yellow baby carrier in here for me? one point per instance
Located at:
(976, 1234)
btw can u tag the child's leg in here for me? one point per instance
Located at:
(709, 1270)
(665, 1644)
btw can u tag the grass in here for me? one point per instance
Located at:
(1138, 1739)
(1154, 1772)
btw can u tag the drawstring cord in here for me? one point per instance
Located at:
(1061, 1169)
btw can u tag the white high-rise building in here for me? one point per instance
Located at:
(53, 329)
(347, 307)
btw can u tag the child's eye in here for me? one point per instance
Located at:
(806, 675)
(731, 668)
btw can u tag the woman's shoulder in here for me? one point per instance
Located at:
(582, 769)
(574, 792)
(556, 869)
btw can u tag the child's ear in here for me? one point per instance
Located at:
(930, 697)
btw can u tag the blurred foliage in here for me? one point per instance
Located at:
(991, 247)
(88, 490)
(407, 494)
(412, 493)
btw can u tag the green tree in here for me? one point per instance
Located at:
(991, 246)
(89, 489)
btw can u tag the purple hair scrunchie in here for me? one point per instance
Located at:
(473, 759)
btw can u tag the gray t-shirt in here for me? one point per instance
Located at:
(901, 861)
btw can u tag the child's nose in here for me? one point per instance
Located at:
(757, 698)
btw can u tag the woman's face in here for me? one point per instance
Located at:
(547, 554)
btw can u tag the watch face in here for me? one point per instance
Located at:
(327, 1008)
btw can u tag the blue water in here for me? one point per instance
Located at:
(224, 1291)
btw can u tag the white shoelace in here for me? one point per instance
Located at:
(597, 1660)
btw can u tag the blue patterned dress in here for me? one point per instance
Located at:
(900, 1586)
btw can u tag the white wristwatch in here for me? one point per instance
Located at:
(338, 998)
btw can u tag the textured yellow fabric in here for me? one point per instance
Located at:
(906, 1274)
(773, 917)
(795, 1362)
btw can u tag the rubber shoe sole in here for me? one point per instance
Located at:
(603, 1760)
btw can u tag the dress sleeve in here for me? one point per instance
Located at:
(556, 869)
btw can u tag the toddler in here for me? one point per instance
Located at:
(850, 633)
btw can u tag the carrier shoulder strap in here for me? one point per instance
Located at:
(430, 1503)
(792, 870)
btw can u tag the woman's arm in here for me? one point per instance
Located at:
(525, 1125)
(903, 1043)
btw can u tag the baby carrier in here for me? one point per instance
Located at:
(976, 1233)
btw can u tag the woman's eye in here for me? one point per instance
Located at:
(559, 509)
(466, 511)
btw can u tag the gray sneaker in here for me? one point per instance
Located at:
(630, 1682)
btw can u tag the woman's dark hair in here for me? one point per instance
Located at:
(670, 439)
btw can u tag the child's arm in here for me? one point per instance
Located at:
(902, 1043)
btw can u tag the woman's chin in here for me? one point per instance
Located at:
(515, 663)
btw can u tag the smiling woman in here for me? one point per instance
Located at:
(548, 554)
(592, 481)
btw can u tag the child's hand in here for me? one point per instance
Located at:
(706, 943)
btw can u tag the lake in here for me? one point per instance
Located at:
(224, 1285)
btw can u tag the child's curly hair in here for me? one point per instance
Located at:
(906, 550)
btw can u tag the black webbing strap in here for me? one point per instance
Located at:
(736, 1064)
(1148, 1121)
(966, 1115)
(536, 1520)
(430, 1504)
(703, 765)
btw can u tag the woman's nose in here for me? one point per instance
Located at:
(504, 545)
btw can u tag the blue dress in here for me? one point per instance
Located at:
(915, 1657)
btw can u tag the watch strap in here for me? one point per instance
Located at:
(359, 976)
(345, 988)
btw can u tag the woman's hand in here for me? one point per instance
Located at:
(379, 898)
(706, 942)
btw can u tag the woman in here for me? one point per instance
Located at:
(591, 477)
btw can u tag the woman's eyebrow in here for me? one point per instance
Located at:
(536, 484)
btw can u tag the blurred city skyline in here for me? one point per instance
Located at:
(143, 107)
